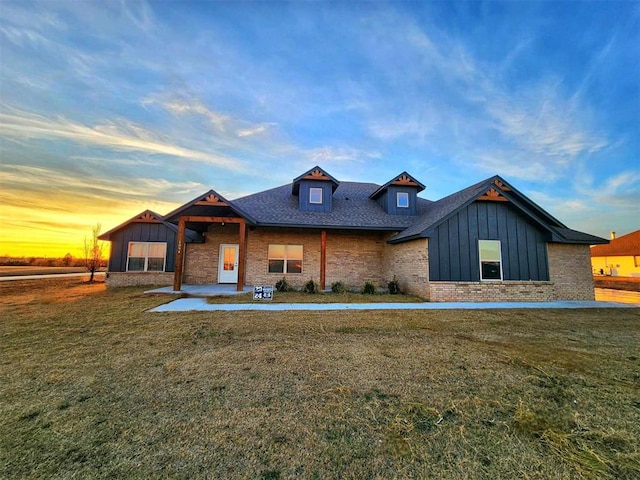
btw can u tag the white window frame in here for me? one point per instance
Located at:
(146, 256)
(285, 259)
(402, 195)
(499, 260)
(311, 191)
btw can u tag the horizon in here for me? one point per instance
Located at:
(107, 110)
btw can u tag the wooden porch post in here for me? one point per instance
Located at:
(323, 259)
(177, 275)
(241, 255)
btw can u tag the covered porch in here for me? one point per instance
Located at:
(202, 215)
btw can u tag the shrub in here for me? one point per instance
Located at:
(283, 285)
(338, 287)
(369, 288)
(394, 286)
(310, 287)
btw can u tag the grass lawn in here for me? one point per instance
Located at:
(322, 297)
(93, 386)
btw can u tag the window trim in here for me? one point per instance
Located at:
(404, 195)
(146, 257)
(316, 189)
(480, 260)
(285, 259)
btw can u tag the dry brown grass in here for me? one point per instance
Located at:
(94, 386)
(323, 297)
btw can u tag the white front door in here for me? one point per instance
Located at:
(228, 264)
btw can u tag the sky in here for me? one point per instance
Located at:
(111, 108)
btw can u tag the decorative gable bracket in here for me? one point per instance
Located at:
(212, 200)
(147, 217)
(492, 195)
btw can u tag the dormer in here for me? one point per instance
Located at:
(399, 196)
(315, 190)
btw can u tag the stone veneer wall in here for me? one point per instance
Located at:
(132, 279)
(510, 291)
(570, 271)
(409, 262)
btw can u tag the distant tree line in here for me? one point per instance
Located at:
(67, 261)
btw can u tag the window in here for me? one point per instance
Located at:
(315, 195)
(490, 260)
(402, 200)
(285, 258)
(146, 256)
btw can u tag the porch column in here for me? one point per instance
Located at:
(241, 255)
(323, 259)
(177, 275)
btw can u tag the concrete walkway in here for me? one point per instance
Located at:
(200, 304)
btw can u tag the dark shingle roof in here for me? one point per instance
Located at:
(190, 235)
(352, 208)
(440, 210)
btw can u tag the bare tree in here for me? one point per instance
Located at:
(93, 251)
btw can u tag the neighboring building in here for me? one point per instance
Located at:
(487, 242)
(621, 258)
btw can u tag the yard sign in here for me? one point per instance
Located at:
(262, 292)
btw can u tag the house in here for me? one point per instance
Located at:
(621, 258)
(486, 242)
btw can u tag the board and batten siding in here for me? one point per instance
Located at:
(141, 232)
(303, 196)
(453, 245)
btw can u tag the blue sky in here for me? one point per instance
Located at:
(109, 108)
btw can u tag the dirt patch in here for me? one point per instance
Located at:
(631, 284)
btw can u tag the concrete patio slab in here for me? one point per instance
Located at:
(200, 304)
(202, 290)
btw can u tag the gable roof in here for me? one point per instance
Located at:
(352, 208)
(149, 216)
(316, 173)
(623, 246)
(210, 203)
(403, 179)
(492, 188)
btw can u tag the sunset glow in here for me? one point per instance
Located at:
(111, 108)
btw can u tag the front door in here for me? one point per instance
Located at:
(228, 264)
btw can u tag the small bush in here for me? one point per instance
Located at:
(283, 285)
(310, 287)
(338, 287)
(369, 288)
(394, 286)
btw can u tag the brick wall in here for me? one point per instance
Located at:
(570, 271)
(201, 259)
(409, 262)
(491, 291)
(355, 258)
(132, 279)
(257, 265)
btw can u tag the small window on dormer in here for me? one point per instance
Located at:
(402, 200)
(315, 195)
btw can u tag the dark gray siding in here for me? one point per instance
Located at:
(388, 200)
(140, 232)
(327, 195)
(453, 245)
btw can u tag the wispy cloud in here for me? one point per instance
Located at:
(258, 129)
(122, 135)
(23, 178)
